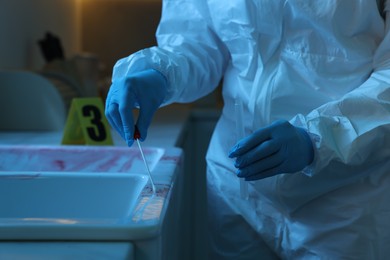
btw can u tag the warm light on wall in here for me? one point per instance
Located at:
(113, 29)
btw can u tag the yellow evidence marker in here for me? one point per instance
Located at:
(86, 123)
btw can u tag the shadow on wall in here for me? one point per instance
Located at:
(114, 29)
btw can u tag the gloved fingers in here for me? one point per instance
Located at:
(126, 115)
(262, 168)
(151, 95)
(112, 110)
(286, 149)
(263, 175)
(146, 89)
(114, 118)
(251, 141)
(258, 153)
(144, 120)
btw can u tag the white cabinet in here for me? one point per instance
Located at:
(194, 142)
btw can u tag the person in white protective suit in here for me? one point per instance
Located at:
(314, 80)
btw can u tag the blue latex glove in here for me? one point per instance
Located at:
(275, 149)
(146, 90)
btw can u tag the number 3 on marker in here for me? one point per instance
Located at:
(97, 132)
(86, 123)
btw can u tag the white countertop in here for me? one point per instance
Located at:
(164, 132)
(56, 204)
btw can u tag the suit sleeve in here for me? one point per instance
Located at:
(189, 53)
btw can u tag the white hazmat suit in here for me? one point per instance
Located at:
(323, 65)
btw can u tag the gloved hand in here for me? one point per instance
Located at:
(275, 149)
(146, 90)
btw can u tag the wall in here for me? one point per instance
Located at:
(24, 22)
(110, 29)
(113, 29)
